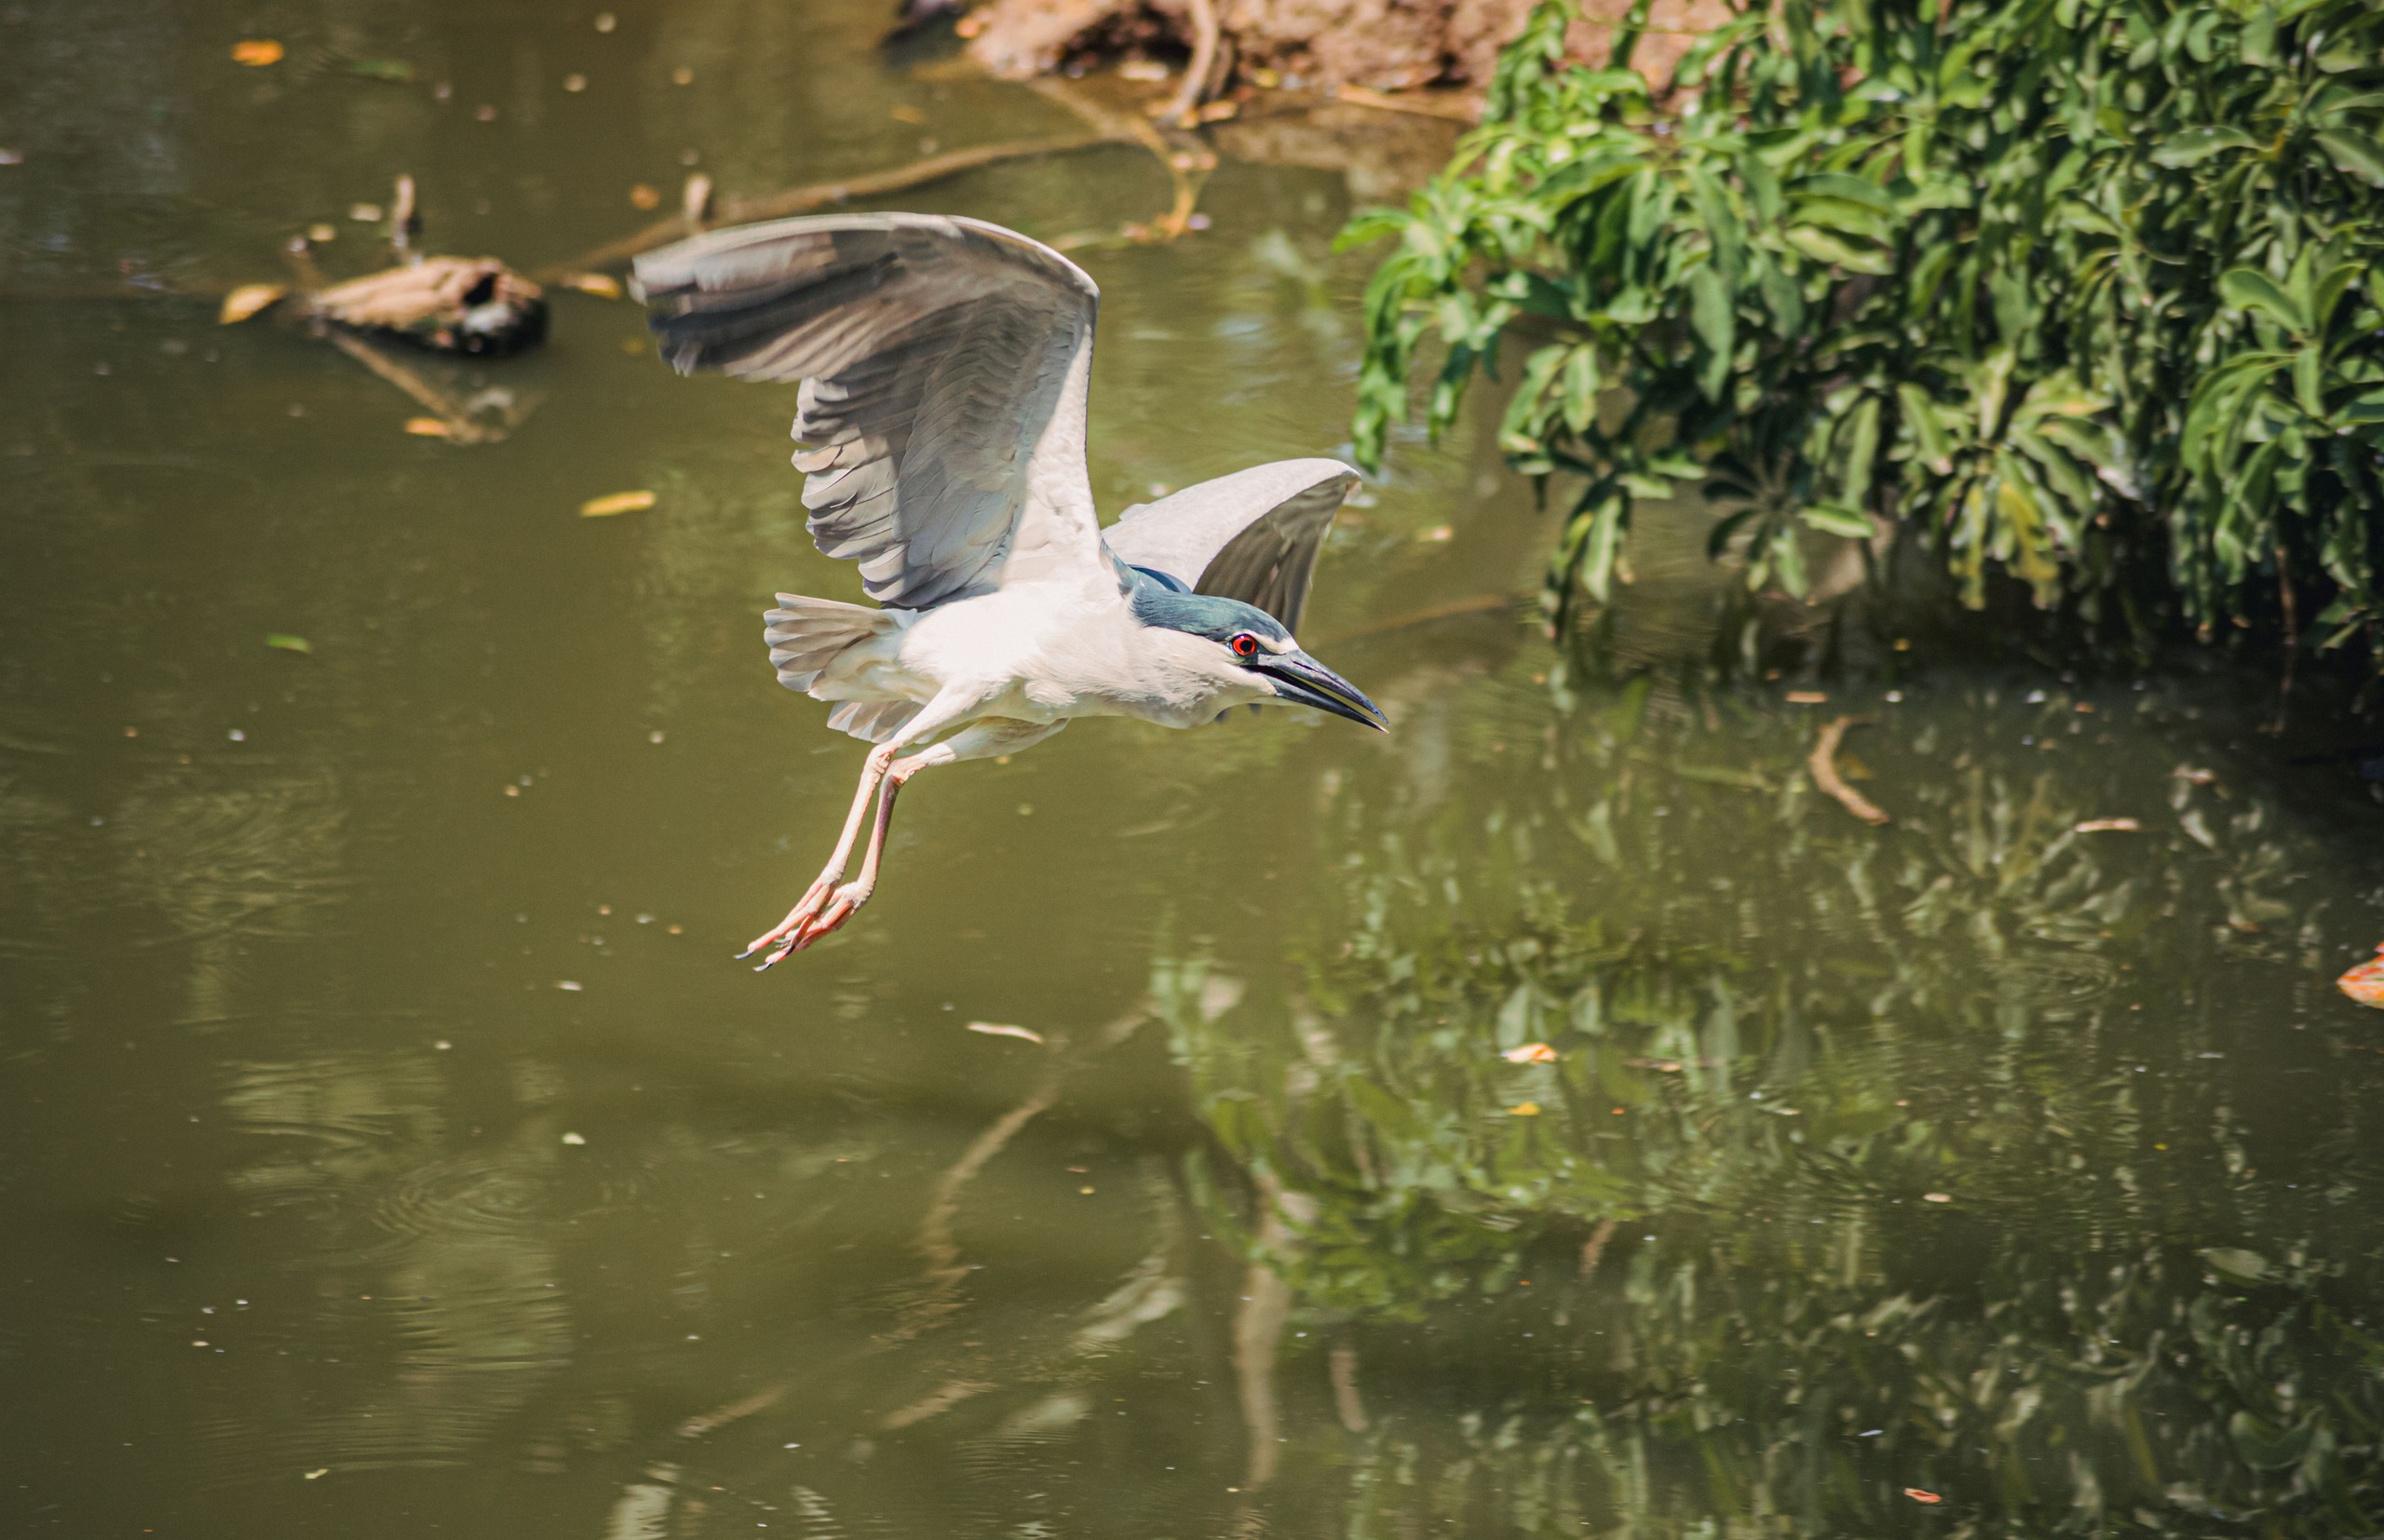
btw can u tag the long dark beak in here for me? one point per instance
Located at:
(1303, 680)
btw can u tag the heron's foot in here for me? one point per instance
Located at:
(841, 907)
(778, 938)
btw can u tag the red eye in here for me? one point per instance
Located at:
(1245, 645)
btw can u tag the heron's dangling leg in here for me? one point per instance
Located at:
(872, 771)
(979, 740)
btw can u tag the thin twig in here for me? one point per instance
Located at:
(2292, 638)
(1824, 765)
(1205, 34)
(461, 428)
(1463, 109)
(803, 200)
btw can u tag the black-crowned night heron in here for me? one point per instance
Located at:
(945, 364)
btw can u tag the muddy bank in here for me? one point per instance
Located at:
(1376, 44)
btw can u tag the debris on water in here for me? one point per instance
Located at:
(646, 196)
(606, 21)
(682, 76)
(12, 157)
(475, 305)
(246, 300)
(1524, 1109)
(1661, 1066)
(618, 502)
(2107, 826)
(574, 82)
(1530, 1053)
(575, 1138)
(366, 213)
(1936, 1197)
(2365, 983)
(1921, 1496)
(286, 642)
(319, 1473)
(603, 285)
(1807, 697)
(429, 428)
(257, 52)
(571, 984)
(320, 233)
(996, 1029)
(2194, 776)
(237, 736)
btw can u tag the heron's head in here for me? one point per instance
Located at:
(1255, 645)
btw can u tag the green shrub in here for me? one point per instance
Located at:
(2071, 289)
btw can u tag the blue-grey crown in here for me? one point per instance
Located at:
(1160, 600)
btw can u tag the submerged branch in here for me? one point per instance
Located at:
(1824, 765)
(803, 201)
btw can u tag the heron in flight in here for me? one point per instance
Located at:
(945, 364)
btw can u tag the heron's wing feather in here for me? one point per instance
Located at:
(944, 363)
(1252, 535)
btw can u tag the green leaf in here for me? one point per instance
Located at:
(2248, 288)
(288, 643)
(2355, 154)
(1921, 419)
(2196, 145)
(1832, 519)
(1580, 388)
(1711, 316)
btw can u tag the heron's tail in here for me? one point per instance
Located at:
(806, 635)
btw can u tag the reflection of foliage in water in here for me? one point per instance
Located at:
(1932, 1196)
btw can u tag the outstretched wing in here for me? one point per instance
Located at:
(1252, 535)
(944, 363)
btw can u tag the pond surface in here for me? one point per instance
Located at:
(391, 1147)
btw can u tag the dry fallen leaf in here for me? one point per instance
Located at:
(997, 1029)
(908, 114)
(603, 285)
(1936, 1197)
(2107, 826)
(2365, 983)
(427, 428)
(620, 502)
(645, 196)
(245, 301)
(1919, 1495)
(1530, 1053)
(1807, 697)
(257, 52)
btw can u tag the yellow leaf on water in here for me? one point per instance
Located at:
(427, 428)
(999, 1029)
(1530, 1053)
(620, 502)
(245, 301)
(603, 285)
(1524, 1109)
(257, 52)
(287, 643)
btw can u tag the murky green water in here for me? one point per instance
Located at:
(392, 1149)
